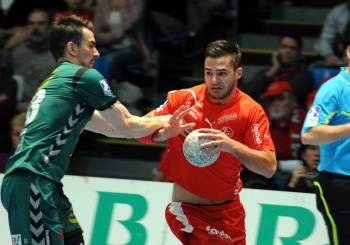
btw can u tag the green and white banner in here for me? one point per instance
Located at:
(130, 212)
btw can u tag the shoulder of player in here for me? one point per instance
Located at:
(335, 83)
(184, 93)
(91, 74)
(246, 100)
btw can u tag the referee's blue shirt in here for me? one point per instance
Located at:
(332, 107)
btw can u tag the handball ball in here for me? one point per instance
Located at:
(195, 154)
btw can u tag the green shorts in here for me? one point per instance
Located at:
(38, 210)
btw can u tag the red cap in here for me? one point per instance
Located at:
(278, 87)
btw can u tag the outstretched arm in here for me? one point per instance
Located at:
(117, 122)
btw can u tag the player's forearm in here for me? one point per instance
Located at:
(324, 134)
(260, 162)
(160, 136)
(124, 124)
(136, 127)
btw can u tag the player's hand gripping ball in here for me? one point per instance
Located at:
(197, 155)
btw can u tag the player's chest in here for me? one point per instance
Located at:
(221, 118)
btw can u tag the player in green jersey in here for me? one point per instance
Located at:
(73, 97)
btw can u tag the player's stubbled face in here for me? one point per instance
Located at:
(87, 52)
(220, 78)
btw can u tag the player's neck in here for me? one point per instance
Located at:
(348, 70)
(67, 60)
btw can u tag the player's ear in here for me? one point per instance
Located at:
(239, 72)
(71, 48)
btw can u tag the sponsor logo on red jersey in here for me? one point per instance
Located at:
(256, 133)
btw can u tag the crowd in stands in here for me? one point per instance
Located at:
(285, 88)
(287, 65)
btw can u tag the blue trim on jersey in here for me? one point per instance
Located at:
(332, 107)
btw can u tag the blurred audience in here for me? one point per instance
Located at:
(186, 20)
(286, 120)
(8, 103)
(130, 95)
(166, 18)
(334, 35)
(199, 13)
(287, 65)
(14, 13)
(198, 16)
(29, 54)
(76, 7)
(301, 179)
(120, 36)
(16, 125)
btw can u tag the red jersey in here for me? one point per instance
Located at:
(242, 119)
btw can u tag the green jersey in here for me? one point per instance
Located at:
(57, 114)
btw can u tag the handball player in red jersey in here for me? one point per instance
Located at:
(205, 207)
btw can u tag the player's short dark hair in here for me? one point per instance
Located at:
(64, 30)
(220, 48)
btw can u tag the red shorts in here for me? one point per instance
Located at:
(207, 224)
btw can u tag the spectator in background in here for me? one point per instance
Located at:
(286, 120)
(30, 56)
(302, 177)
(334, 35)
(16, 125)
(287, 65)
(120, 36)
(14, 15)
(8, 102)
(75, 7)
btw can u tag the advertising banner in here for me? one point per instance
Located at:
(130, 212)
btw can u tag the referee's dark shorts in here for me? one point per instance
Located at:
(333, 201)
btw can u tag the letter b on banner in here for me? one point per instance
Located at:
(106, 204)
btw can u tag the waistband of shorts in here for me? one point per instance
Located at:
(211, 208)
(216, 204)
(334, 175)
